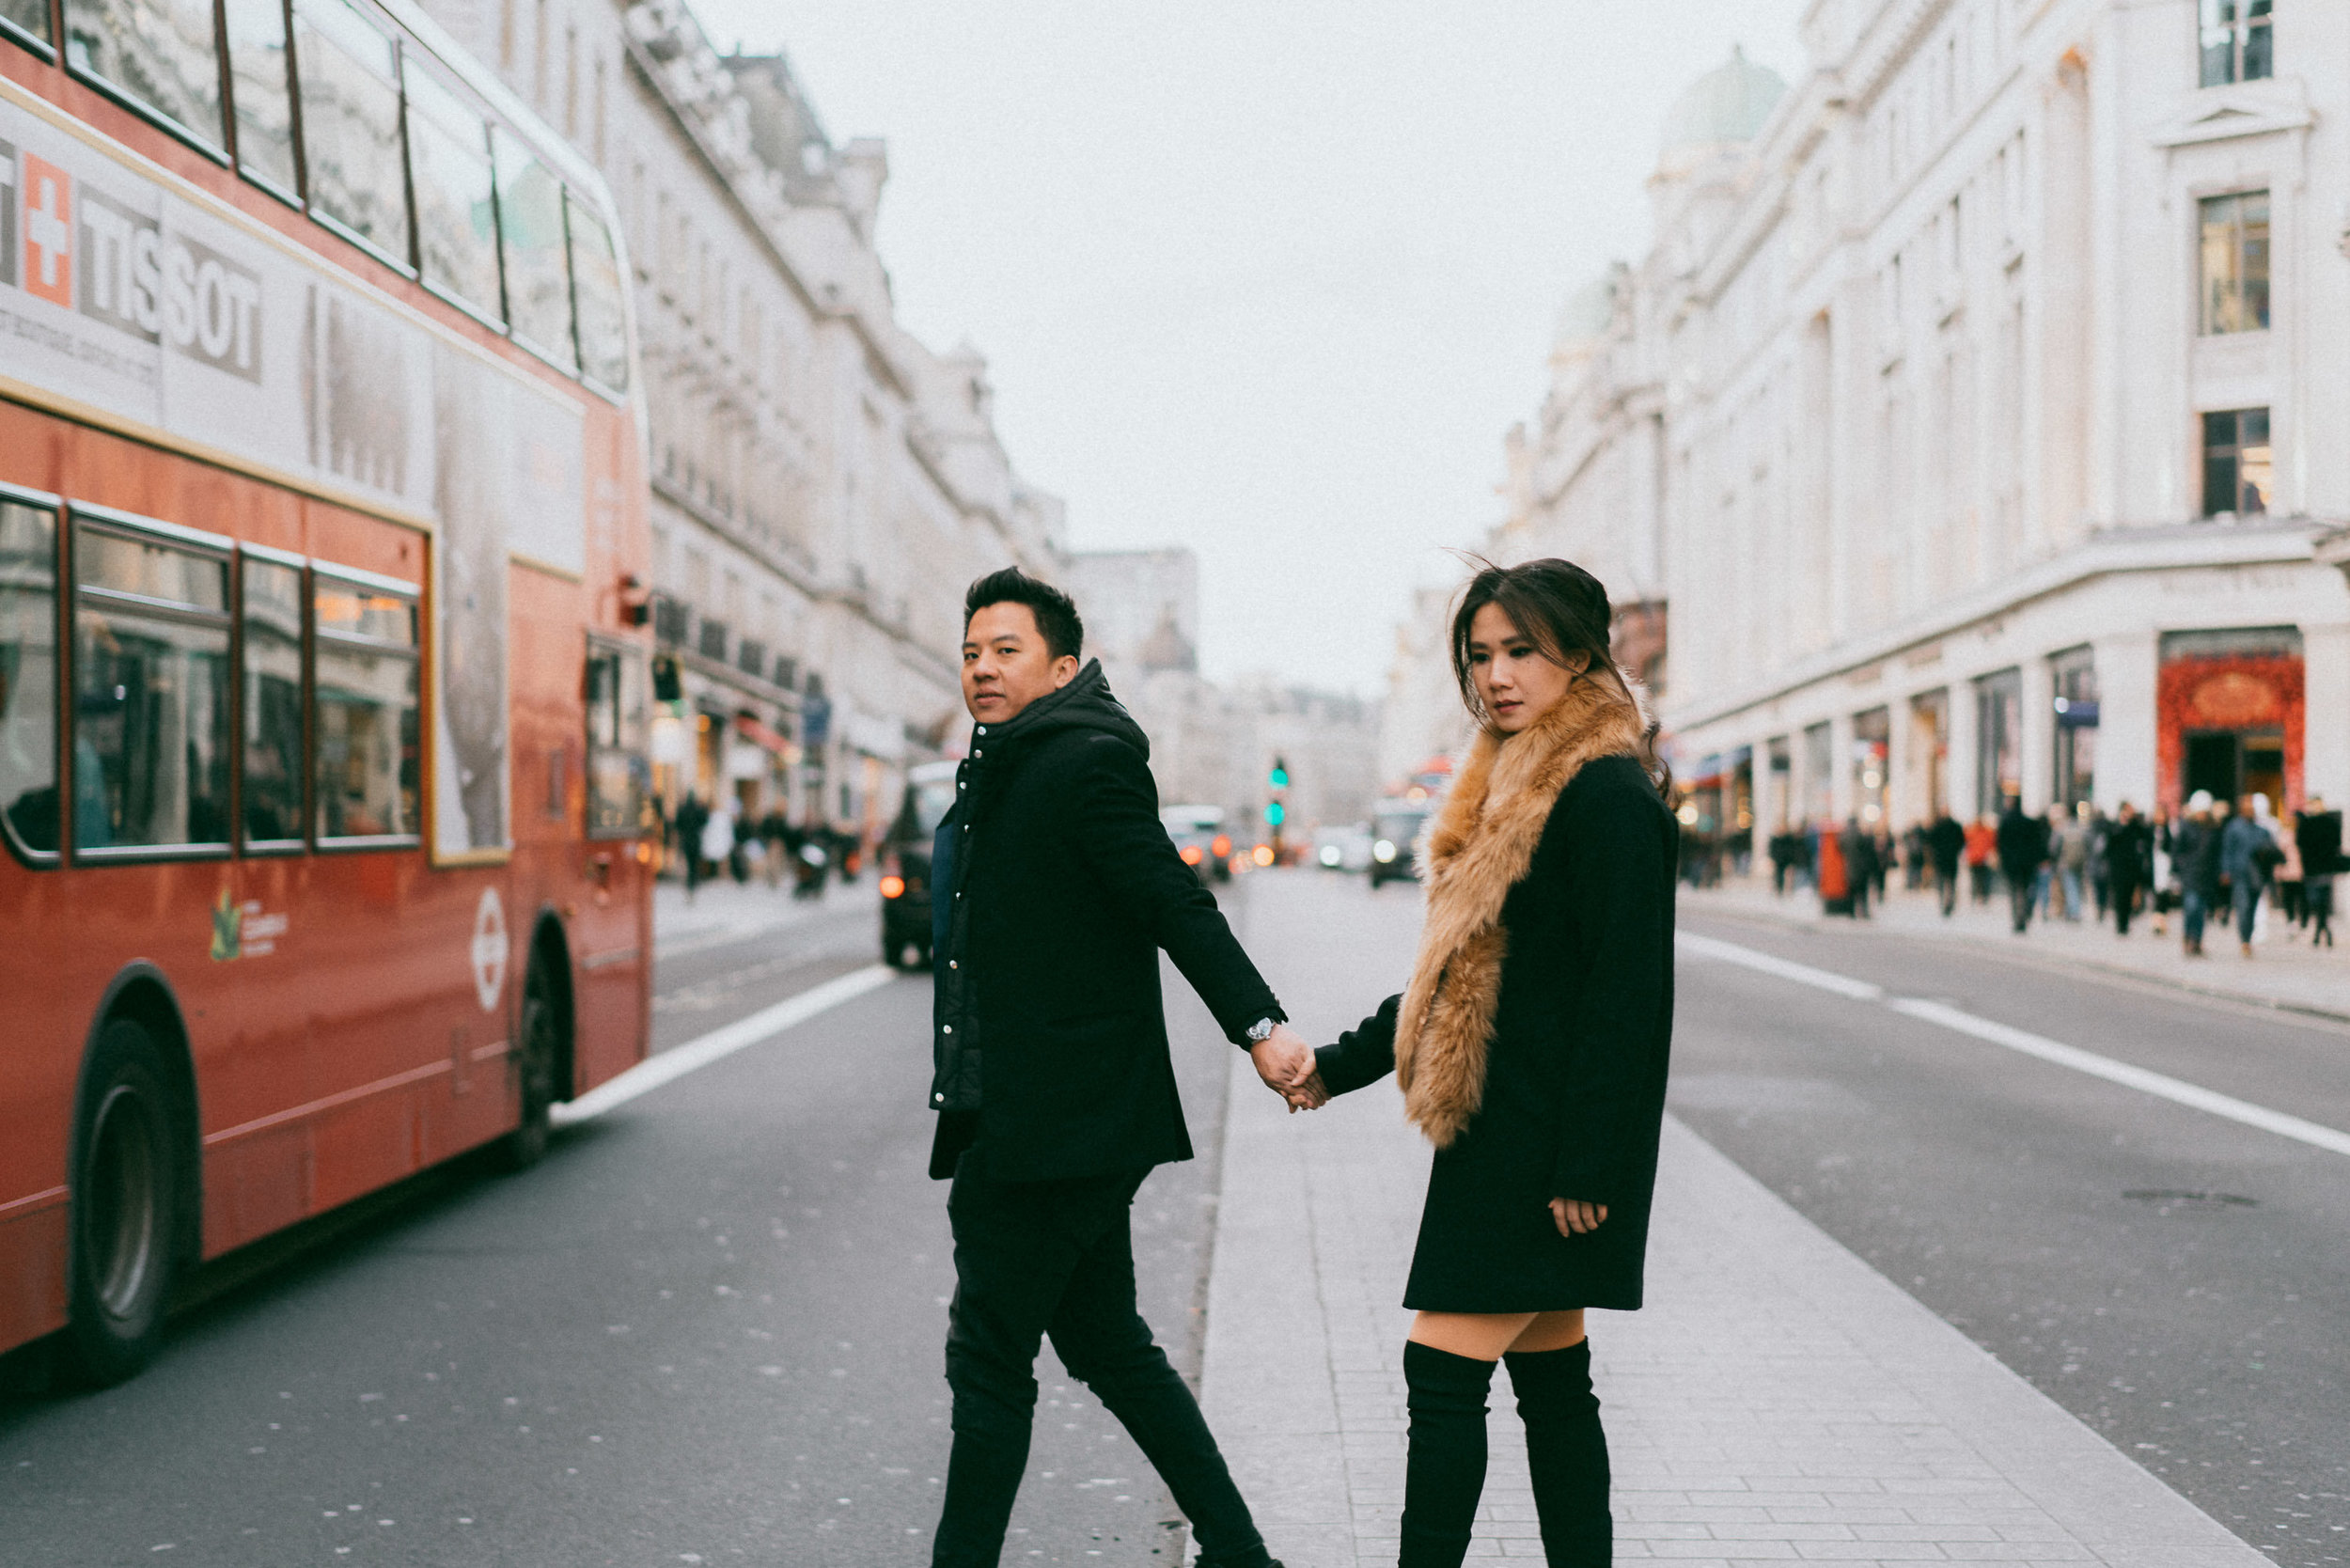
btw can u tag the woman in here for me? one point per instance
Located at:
(1530, 1047)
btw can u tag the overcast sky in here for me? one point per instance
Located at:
(1270, 281)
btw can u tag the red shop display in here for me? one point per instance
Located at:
(2232, 694)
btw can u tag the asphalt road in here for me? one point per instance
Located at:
(707, 1330)
(2179, 1281)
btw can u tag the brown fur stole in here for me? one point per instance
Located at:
(1473, 850)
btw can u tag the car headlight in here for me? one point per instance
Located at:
(1329, 854)
(1383, 851)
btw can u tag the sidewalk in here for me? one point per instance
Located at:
(2283, 971)
(727, 911)
(1778, 1400)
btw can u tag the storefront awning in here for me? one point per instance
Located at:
(749, 728)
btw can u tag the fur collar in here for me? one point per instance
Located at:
(1474, 850)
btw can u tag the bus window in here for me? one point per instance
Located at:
(603, 311)
(530, 225)
(264, 105)
(28, 17)
(449, 157)
(150, 696)
(364, 739)
(272, 705)
(351, 125)
(157, 52)
(619, 776)
(29, 676)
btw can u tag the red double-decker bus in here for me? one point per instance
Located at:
(322, 692)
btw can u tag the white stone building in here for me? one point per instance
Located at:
(1978, 416)
(824, 485)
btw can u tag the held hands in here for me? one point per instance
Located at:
(1286, 1063)
(1575, 1218)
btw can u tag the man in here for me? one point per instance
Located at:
(1946, 841)
(2023, 846)
(2195, 860)
(2129, 865)
(1054, 888)
(692, 818)
(2247, 853)
(2318, 835)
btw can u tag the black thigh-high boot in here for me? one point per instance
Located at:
(1445, 1473)
(1566, 1450)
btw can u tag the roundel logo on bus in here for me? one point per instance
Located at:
(489, 950)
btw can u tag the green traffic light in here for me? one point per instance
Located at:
(1275, 813)
(1280, 774)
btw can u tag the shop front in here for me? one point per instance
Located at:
(2229, 716)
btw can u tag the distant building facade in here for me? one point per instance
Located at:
(824, 485)
(1974, 424)
(1215, 744)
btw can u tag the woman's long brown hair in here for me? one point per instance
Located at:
(1562, 610)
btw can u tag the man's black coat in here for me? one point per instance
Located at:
(1048, 1036)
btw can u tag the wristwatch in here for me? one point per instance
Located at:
(1261, 1031)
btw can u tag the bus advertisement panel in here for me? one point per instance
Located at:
(323, 692)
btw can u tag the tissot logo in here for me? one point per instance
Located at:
(166, 288)
(47, 191)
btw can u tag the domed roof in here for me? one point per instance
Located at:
(1585, 315)
(1728, 104)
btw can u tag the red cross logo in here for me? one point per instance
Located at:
(48, 231)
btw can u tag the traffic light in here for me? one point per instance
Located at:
(1276, 810)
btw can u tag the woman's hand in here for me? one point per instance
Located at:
(1575, 1218)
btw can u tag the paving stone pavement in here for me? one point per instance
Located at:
(1777, 1400)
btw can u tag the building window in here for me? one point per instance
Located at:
(2235, 262)
(2074, 675)
(1999, 741)
(2238, 45)
(2238, 470)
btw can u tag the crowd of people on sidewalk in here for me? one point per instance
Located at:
(2238, 862)
(701, 844)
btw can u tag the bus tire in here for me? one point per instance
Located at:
(527, 1145)
(123, 1249)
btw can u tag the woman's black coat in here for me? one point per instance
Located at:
(1575, 1079)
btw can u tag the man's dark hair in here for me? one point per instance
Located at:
(1056, 612)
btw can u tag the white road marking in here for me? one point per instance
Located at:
(1802, 974)
(722, 1042)
(2162, 1086)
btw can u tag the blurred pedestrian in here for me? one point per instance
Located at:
(2291, 901)
(2195, 858)
(1861, 866)
(1833, 874)
(2319, 837)
(773, 852)
(691, 817)
(1948, 842)
(1982, 839)
(2129, 865)
(2023, 846)
(1914, 856)
(1782, 852)
(2247, 852)
(718, 840)
(2072, 864)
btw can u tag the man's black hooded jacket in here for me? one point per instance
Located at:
(1059, 885)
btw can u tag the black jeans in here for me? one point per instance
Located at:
(1037, 1258)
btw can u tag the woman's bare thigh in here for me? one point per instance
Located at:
(1485, 1336)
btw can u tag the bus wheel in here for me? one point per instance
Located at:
(123, 1211)
(527, 1145)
